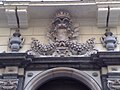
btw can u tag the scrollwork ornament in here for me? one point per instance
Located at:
(8, 84)
(113, 83)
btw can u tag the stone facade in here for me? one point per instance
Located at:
(27, 68)
(40, 33)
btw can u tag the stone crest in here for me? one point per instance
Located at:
(62, 35)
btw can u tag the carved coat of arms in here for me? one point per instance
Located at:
(62, 35)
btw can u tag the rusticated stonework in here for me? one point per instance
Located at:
(62, 35)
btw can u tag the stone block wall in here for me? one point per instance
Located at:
(38, 29)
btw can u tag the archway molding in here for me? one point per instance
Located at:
(62, 72)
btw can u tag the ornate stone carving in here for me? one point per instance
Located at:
(8, 84)
(16, 41)
(41, 49)
(109, 41)
(62, 35)
(114, 83)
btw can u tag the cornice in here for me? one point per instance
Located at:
(54, 3)
(96, 61)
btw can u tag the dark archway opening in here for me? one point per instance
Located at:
(63, 83)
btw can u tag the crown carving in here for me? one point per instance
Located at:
(62, 14)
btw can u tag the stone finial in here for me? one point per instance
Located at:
(16, 41)
(109, 41)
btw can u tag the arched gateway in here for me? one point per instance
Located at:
(60, 72)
